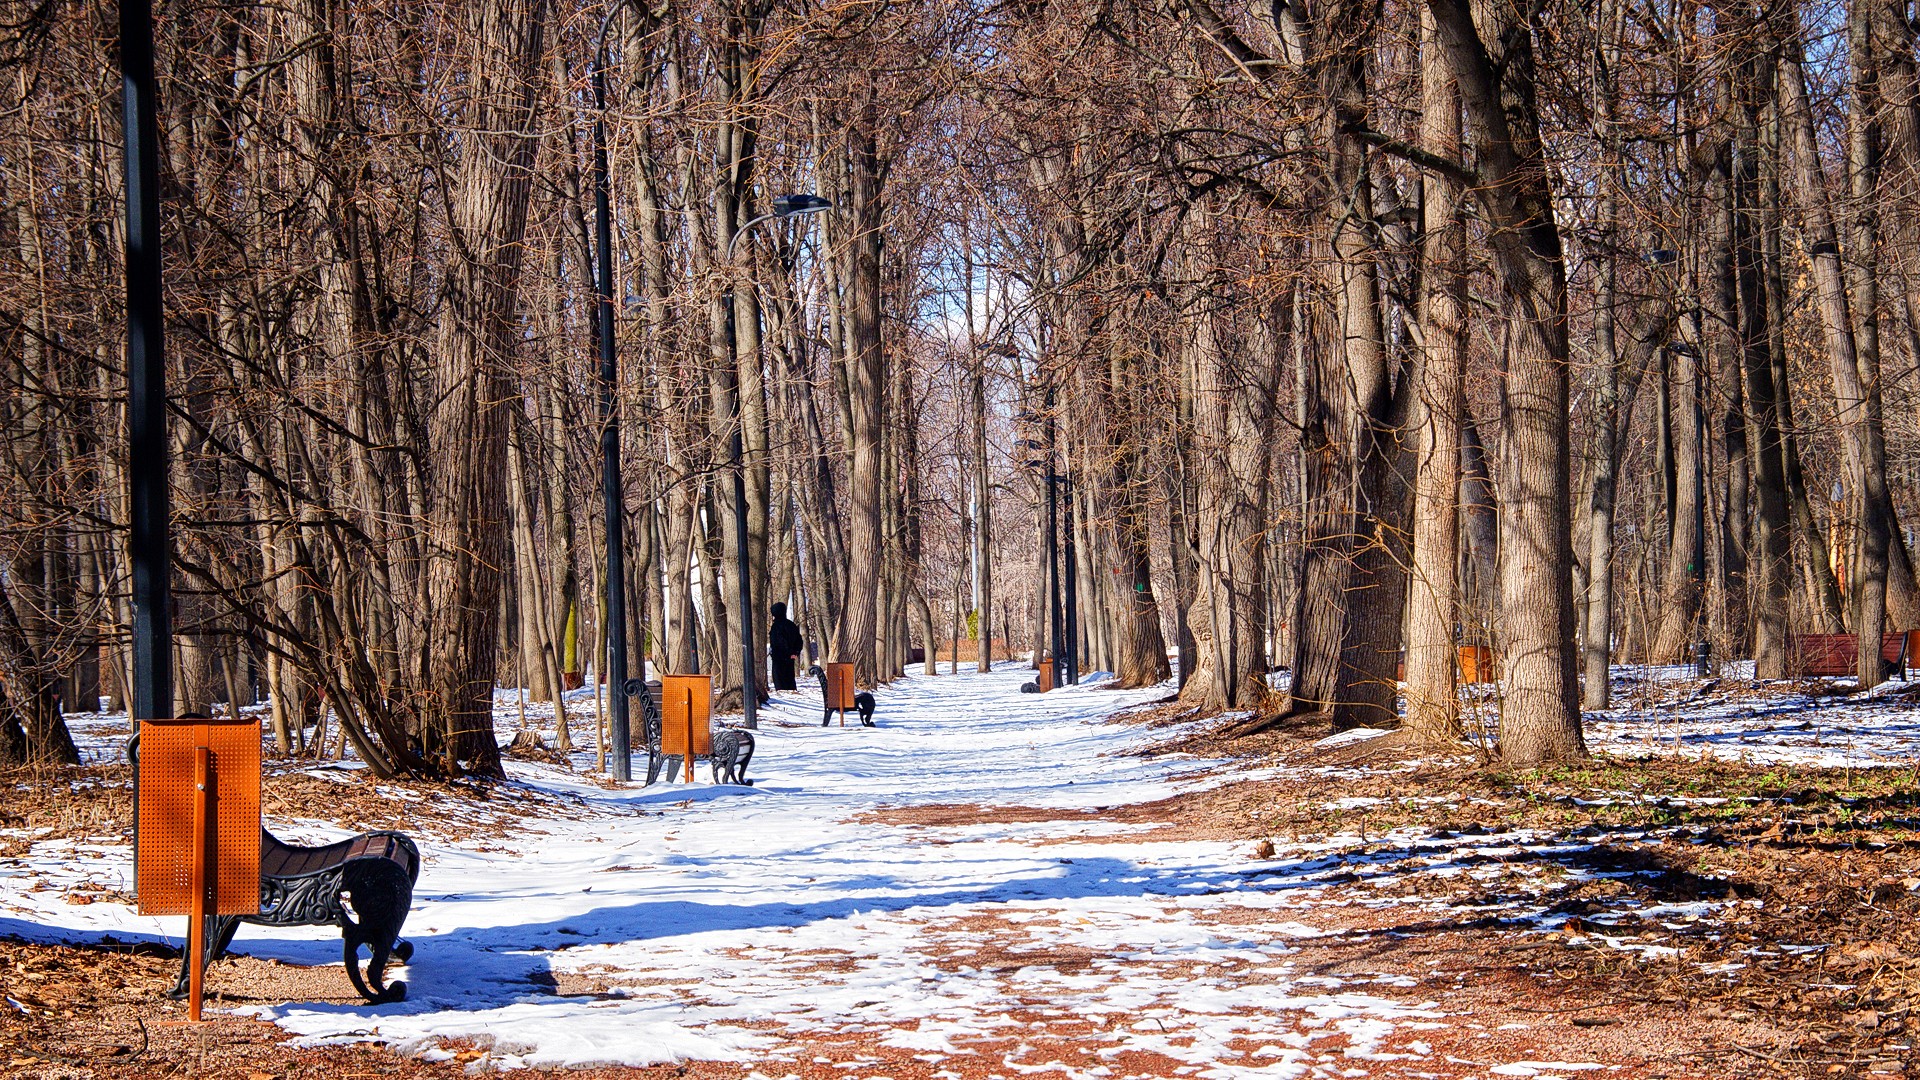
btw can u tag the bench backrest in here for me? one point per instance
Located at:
(1837, 654)
(651, 713)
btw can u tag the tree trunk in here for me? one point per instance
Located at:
(1433, 702)
(1540, 718)
(1772, 527)
(1857, 411)
(982, 511)
(1233, 403)
(473, 380)
(859, 622)
(1684, 573)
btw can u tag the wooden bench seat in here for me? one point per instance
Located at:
(278, 859)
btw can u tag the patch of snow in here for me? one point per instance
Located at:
(1353, 735)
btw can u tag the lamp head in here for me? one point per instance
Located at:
(786, 206)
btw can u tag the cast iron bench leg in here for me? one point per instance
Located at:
(380, 892)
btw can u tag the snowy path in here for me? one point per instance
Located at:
(805, 927)
(749, 925)
(768, 926)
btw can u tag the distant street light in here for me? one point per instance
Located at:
(613, 504)
(784, 206)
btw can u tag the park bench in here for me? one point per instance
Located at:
(732, 747)
(363, 885)
(1837, 654)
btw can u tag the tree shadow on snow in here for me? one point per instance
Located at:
(480, 968)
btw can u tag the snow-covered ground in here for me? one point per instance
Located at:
(750, 924)
(743, 924)
(1669, 710)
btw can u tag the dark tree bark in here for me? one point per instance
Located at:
(473, 382)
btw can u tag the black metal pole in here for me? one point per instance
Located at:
(148, 547)
(1697, 558)
(749, 696)
(1053, 547)
(614, 508)
(1070, 571)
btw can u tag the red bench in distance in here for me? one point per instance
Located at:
(1837, 654)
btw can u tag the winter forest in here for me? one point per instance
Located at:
(1348, 338)
(1344, 538)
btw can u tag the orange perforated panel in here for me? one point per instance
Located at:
(1045, 678)
(1476, 664)
(163, 856)
(840, 689)
(686, 709)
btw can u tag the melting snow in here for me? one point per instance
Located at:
(632, 925)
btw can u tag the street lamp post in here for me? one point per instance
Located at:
(618, 731)
(784, 206)
(1070, 570)
(1054, 629)
(148, 547)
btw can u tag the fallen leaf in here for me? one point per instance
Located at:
(1871, 952)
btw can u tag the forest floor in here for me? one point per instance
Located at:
(992, 884)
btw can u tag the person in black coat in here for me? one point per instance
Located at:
(783, 646)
